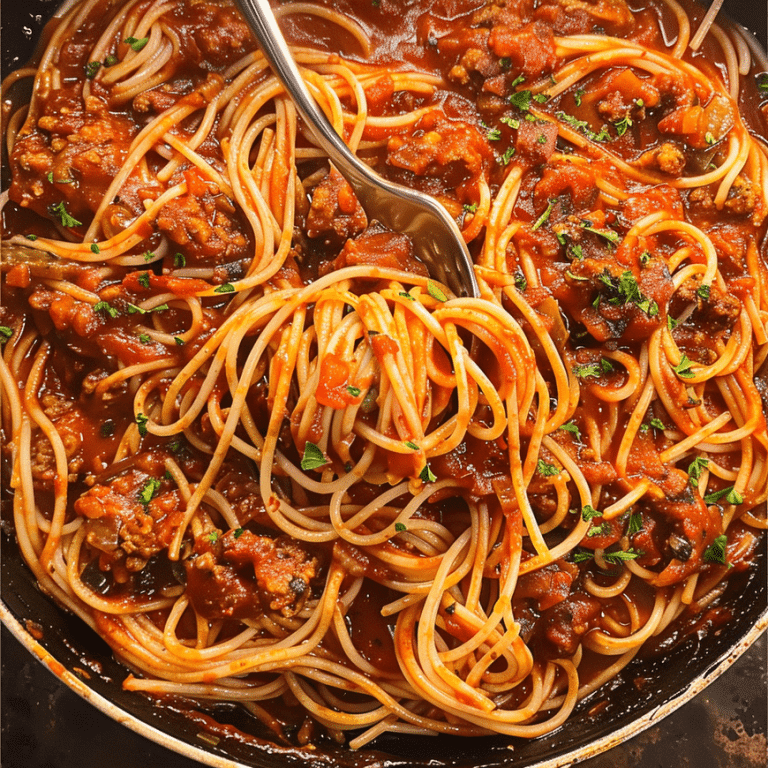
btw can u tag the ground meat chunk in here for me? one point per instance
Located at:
(206, 226)
(531, 49)
(743, 196)
(380, 247)
(549, 585)
(717, 313)
(564, 624)
(439, 143)
(335, 212)
(241, 575)
(702, 198)
(134, 512)
(82, 145)
(535, 142)
(668, 158)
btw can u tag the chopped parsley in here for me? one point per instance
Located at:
(149, 255)
(91, 68)
(238, 532)
(703, 292)
(105, 306)
(354, 391)
(671, 322)
(179, 260)
(505, 62)
(730, 494)
(519, 80)
(599, 530)
(577, 96)
(313, 457)
(696, 469)
(507, 156)
(143, 278)
(213, 537)
(612, 558)
(95, 248)
(111, 60)
(427, 476)
(547, 470)
(400, 527)
(31, 237)
(544, 216)
(224, 288)
(715, 552)
(107, 429)
(136, 43)
(645, 257)
(407, 295)
(584, 370)
(657, 424)
(179, 341)
(541, 98)
(151, 487)
(510, 121)
(144, 338)
(494, 134)
(5, 333)
(410, 444)
(521, 100)
(60, 211)
(588, 512)
(436, 292)
(470, 207)
(141, 421)
(623, 125)
(520, 282)
(582, 127)
(683, 368)
(635, 523)
(625, 290)
(571, 427)
(614, 238)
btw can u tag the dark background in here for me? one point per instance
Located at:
(44, 723)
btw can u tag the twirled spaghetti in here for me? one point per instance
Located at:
(256, 448)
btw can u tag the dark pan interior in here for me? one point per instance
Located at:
(674, 677)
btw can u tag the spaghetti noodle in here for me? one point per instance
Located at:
(269, 460)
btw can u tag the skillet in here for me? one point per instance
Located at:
(65, 646)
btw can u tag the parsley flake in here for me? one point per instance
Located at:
(104, 306)
(91, 68)
(313, 457)
(354, 391)
(635, 523)
(136, 43)
(544, 216)
(696, 469)
(224, 288)
(427, 476)
(730, 494)
(715, 552)
(683, 368)
(400, 527)
(141, 421)
(436, 292)
(547, 470)
(151, 487)
(179, 260)
(143, 278)
(60, 211)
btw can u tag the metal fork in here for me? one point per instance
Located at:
(436, 237)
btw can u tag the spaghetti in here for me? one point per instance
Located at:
(269, 460)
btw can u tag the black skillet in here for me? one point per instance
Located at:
(84, 662)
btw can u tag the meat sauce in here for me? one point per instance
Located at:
(468, 136)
